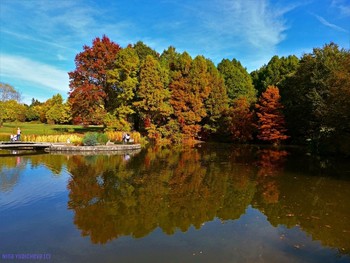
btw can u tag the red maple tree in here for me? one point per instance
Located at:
(88, 82)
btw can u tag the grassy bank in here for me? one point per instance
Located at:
(39, 132)
(28, 128)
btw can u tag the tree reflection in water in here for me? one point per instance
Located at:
(271, 164)
(176, 189)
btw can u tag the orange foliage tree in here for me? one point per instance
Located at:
(189, 89)
(271, 123)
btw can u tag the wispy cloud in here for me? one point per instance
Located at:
(24, 36)
(64, 25)
(343, 6)
(34, 72)
(244, 29)
(258, 23)
(330, 25)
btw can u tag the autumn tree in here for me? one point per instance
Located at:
(198, 94)
(11, 110)
(240, 121)
(10, 106)
(89, 90)
(271, 123)
(58, 112)
(153, 97)
(179, 88)
(190, 89)
(216, 103)
(123, 80)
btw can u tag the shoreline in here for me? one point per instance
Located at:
(64, 147)
(97, 148)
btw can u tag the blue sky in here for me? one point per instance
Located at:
(40, 38)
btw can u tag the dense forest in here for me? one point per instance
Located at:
(172, 97)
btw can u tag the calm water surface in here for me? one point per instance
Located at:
(214, 203)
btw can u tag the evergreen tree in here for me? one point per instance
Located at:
(274, 73)
(237, 80)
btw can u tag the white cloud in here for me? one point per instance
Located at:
(328, 24)
(34, 72)
(244, 29)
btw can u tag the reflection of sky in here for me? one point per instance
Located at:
(33, 184)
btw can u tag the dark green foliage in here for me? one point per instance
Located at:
(143, 51)
(237, 80)
(274, 73)
(316, 97)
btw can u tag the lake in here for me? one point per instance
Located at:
(210, 203)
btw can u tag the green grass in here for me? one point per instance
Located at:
(28, 128)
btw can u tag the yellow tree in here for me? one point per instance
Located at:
(153, 97)
(123, 79)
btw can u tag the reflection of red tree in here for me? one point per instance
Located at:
(270, 164)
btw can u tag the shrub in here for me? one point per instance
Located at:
(90, 139)
(102, 138)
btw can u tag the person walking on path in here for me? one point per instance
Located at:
(18, 134)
